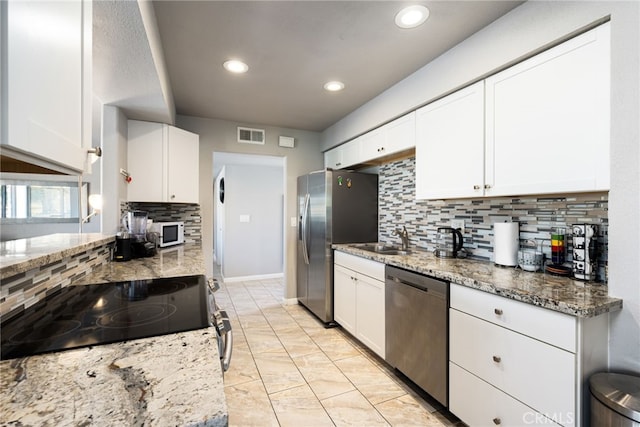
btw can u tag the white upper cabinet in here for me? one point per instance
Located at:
(46, 84)
(163, 162)
(548, 120)
(394, 137)
(343, 156)
(450, 146)
(539, 127)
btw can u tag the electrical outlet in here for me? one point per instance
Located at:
(459, 224)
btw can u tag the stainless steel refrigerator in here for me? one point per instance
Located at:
(333, 207)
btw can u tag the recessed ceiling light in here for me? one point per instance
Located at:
(236, 66)
(412, 16)
(333, 86)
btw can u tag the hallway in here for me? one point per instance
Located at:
(288, 370)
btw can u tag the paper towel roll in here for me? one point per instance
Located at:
(506, 243)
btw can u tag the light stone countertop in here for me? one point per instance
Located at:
(556, 293)
(181, 260)
(18, 256)
(173, 379)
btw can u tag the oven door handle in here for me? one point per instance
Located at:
(228, 344)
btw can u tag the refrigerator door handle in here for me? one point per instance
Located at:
(305, 225)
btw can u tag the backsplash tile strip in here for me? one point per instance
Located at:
(189, 213)
(538, 216)
(25, 289)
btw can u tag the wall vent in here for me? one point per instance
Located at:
(251, 136)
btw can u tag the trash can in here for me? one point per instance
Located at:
(615, 400)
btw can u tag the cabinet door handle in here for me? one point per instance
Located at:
(476, 187)
(497, 359)
(497, 311)
(487, 186)
(497, 421)
(338, 164)
(173, 196)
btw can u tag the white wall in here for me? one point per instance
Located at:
(524, 31)
(220, 136)
(253, 221)
(114, 144)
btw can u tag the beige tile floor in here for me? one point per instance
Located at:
(288, 370)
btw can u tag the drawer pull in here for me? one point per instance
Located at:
(497, 421)
(476, 187)
(497, 311)
(497, 359)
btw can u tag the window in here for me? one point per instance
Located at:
(40, 198)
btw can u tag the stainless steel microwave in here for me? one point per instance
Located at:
(170, 233)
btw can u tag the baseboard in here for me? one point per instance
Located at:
(250, 278)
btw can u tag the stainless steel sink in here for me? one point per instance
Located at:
(382, 249)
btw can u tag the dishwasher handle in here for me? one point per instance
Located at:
(404, 282)
(424, 283)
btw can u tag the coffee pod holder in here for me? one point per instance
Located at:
(530, 256)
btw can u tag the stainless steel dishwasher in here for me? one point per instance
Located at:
(417, 329)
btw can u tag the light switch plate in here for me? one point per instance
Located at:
(245, 218)
(293, 222)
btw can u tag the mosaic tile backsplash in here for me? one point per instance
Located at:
(25, 289)
(537, 215)
(170, 212)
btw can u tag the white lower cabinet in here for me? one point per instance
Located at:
(512, 363)
(358, 299)
(344, 298)
(482, 404)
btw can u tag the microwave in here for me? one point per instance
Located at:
(170, 233)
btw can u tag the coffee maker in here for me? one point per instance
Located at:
(584, 251)
(123, 247)
(135, 224)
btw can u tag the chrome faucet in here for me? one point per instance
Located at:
(404, 236)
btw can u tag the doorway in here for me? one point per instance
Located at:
(248, 221)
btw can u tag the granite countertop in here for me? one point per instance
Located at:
(18, 256)
(561, 294)
(173, 380)
(181, 260)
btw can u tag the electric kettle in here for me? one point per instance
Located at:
(448, 243)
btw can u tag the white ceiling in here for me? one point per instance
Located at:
(291, 47)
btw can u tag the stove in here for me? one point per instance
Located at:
(87, 315)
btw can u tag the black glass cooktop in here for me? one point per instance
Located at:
(85, 315)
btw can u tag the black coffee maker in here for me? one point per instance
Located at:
(123, 247)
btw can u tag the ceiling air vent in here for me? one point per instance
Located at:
(251, 136)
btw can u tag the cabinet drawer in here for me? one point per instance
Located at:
(555, 328)
(533, 372)
(478, 403)
(364, 266)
